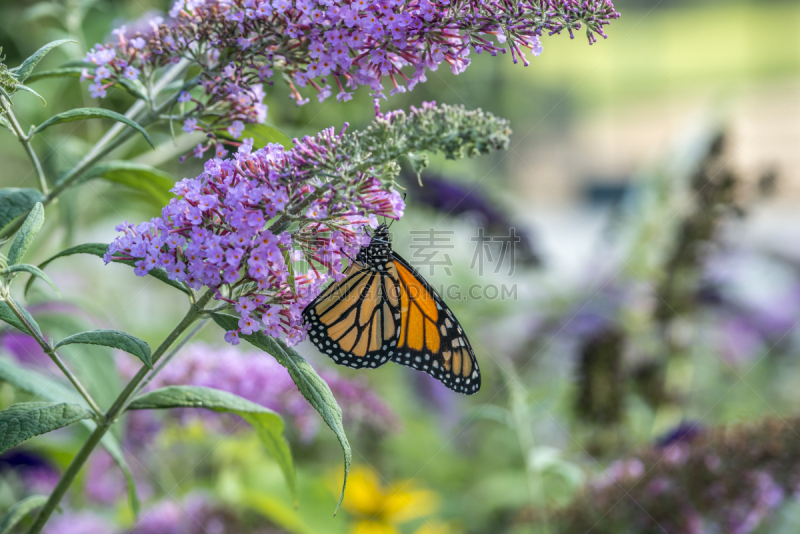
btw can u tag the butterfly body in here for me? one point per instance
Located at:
(383, 310)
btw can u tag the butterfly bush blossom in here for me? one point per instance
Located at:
(329, 46)
(266, 228)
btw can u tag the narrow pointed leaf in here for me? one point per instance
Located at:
(26, 234)
(24, 70)
(20, 422)
(99, 250)
(114, 339)
(35, 271)
(92, 113)
(14, 202)
(131, 88)
(19, 510)
(310, 384)
(51, 389)
(267, 423)
(31, 91)
(73, 72)
(8, 316)
(154, 183)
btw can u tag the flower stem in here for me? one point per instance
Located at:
(35, 334)
(111, 417)
(166, 359)
(26, 143)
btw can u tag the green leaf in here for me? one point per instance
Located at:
(19, 510)
(7, 315)
(35, 271)
(151, 181)
(267, 423)
(26, 234)
(51, 389)
(22, 421)
(14, 202)
(23, 71)
(263, 135)
(99, 250)
(37, 384)
(29, 90)
(114, 339)
(73, 72)
(131, 88)
(92, 113)
(310, 384)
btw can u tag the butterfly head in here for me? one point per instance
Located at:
(381, 234)
(377, 253)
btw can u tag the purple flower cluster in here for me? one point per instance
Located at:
(193, 514)
(83, 522)
(731, 479)
(260, 379)
(217, 232)
(329, 45)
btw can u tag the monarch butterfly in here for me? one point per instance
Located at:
(384, 310)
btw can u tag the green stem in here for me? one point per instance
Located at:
(26, 143)
(175, 350)
(111, 417)
(35, 334)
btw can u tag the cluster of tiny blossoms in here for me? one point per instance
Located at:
(266, 228)
(329, 45)
(216, 233)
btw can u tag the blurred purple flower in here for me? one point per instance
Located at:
(35, 472)
(105, 483)
(436, 398)
(79, 523)
(745, 515)
(25, 349)
(193, 514)
(455, 198)
(685, 432)
(257, 377)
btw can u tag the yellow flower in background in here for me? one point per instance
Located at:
(380, 509)
(436, 527)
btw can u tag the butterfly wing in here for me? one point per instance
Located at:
(354, 321)
(430, 338)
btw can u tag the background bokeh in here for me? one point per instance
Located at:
(649, 330)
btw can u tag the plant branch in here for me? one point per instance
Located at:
(166, 359)
(48, 349)
(111, 417)
(26, 143)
